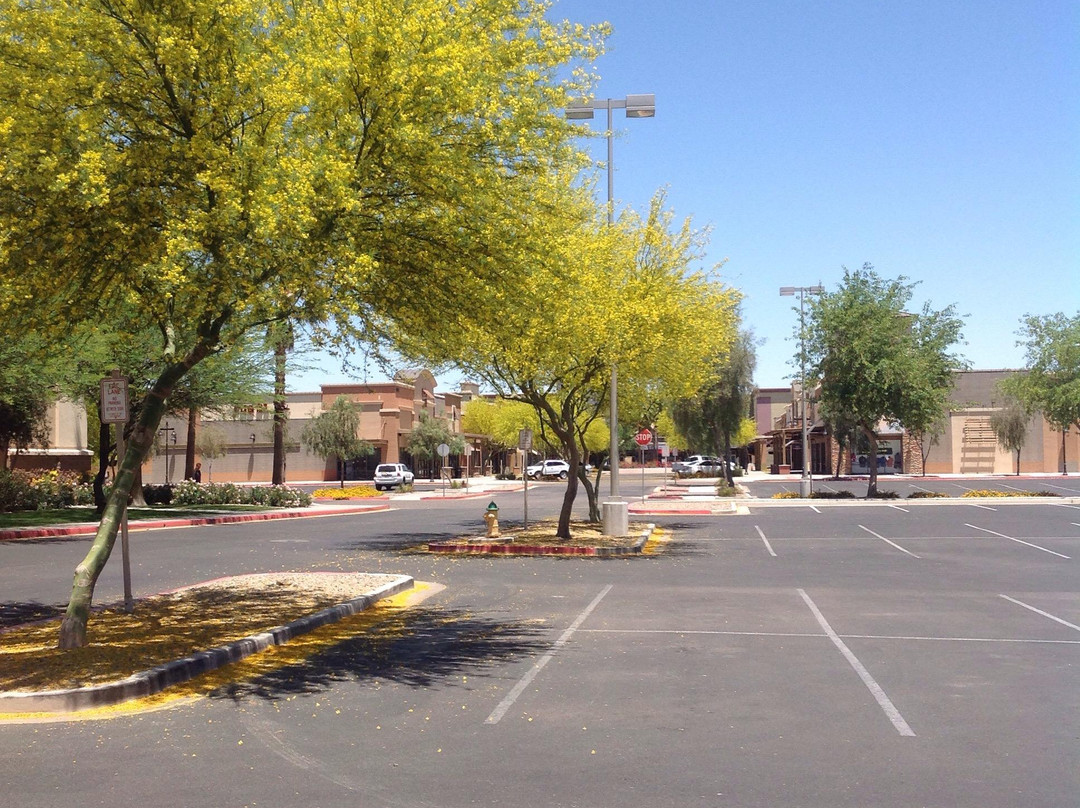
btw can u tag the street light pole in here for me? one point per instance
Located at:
(615, 510)
(805, 485)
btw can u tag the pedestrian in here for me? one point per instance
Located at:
(197, 474)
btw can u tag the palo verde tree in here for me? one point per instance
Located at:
(1051, 383)
(553, 342)
(222, 166)
(336, 433)
(876, 361)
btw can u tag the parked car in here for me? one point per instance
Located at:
(697, 464)
(389, 475)
(549, 468)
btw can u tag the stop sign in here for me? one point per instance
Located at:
(643, 437)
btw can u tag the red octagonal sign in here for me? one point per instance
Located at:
(643, 437)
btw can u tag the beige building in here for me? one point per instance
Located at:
(67, 447)
(966, 445)
(388, 412)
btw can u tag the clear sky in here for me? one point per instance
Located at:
(935, 139)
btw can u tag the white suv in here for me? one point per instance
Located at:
(549, 468)
(388, 475)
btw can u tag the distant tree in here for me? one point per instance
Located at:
(1010, 426)
(875, 360)
(211, 444)
(28, 381)
(335, 433)
(1051, 384)
(424, 439)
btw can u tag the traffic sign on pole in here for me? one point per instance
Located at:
(643, 437)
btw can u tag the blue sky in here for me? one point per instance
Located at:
(935, 139)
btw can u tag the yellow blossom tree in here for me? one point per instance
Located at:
(218, 166)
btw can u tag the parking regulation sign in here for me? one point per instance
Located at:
(114, 400)
(643, 437)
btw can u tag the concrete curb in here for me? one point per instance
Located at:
(178, 671)
(504, 548)
(151, 524)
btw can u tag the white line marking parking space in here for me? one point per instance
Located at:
(887, 541)
(875, 689)
(519, 688)
(767, 545)
(1018, 541)
(1040, 611)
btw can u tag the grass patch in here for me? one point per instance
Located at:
(52, 517)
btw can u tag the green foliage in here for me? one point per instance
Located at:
(334, 433)
(22, 490)
(927, 495)
(832, 495)
(188, 492)
(426, 435)
(875, 360)
(1051, 384)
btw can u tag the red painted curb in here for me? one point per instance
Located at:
(151, 524)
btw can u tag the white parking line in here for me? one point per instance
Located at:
(1040, 611)
(1018, 541)
(983, 507)
(790, 634)
(814, 508)
(897, 507)
(875, 689)
(538, 666)
(894, 544)
(767, 545)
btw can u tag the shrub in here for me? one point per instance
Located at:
(832, 495)
(725, 490)
(988, 492)
(16, 491)
(737, 471)
(505, 475)
(886, 495)
(157, 494)
(927, 494)
(786, 495)
(274, 496)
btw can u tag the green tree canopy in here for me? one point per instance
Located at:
(336, 433)
(1051, 384)
(875, 360)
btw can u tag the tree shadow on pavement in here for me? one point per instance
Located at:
(15, 613)
(418, 648)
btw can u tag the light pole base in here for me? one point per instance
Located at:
(616, 518)
(804, 487)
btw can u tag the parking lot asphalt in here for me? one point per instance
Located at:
(793, 655)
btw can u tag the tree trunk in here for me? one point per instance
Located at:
(871, 490)
(280, 413)
(4, 446)
(189, 444)
(1017, 462)
(105, 447)
(73, 627)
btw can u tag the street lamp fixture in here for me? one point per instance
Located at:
(805, 485)
(643, 105)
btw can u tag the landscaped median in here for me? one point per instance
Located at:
(175, 636)
(540, 540)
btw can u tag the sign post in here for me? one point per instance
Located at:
(444, 452)
(643, 438)
(525, 444)
(115, 409)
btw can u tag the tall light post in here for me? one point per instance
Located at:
(802, 292)
(615, 510)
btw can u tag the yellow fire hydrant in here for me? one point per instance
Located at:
(491, 518)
